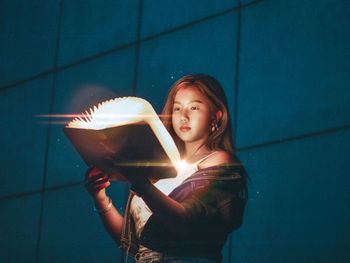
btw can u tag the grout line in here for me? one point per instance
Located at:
(137, 52)
(237, 72)
(24, 81)
(235, 100)
(241, 149)
(40, 191)
(294, 138)
(127, 45)
(190, 24)
(49, 129)
(200, 20)
(57, 69)
(250, 3)
(134, 91)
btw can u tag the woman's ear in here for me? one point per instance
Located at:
(218, 115)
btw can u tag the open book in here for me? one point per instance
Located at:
(124, 136)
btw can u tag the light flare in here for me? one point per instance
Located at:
(181, 165)
(143, 164)
(53, 118)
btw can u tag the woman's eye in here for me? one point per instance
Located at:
(194, 108)
(176, 109)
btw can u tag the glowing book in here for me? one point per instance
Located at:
(124, 136)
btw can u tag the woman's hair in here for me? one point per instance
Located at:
(221, 138)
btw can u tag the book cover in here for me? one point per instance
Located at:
(124, 136)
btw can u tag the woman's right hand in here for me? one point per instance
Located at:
(96, 182)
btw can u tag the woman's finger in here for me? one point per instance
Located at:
(93, 189)
(96, 181)
(93, 171)
(102, 186)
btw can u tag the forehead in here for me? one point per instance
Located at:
(189, 94)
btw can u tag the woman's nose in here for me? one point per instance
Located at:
(184, 115)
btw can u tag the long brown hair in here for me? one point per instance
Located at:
(221, 138)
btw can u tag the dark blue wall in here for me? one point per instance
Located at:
(285, 66)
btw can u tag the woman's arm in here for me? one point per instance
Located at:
(160, 204)
(96, 183)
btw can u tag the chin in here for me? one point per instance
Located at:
(185, 138)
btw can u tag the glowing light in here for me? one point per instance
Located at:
(169, 184)
(127, 110)
(181, 165)
(53, 118)
(142, 164)
(115, 112)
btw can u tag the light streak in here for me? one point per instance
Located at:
(111, 115)
(142, 164)
(107, 118)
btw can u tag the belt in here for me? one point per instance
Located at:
(148, 257)
(155, 257)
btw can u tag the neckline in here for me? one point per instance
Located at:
(202, 159)
(232, 167)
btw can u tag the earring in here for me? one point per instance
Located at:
(214, 126)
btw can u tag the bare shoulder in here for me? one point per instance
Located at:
(217, 158)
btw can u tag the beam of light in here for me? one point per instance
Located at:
(114, 112)
(53, 118)
(57, 115)
(107, 115)
(52, 122)
(65, 122)
(142, 164)
(58, 122)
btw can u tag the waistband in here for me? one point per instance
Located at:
(156, 257)
(148, 257)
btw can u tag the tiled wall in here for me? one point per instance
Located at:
(285, 66)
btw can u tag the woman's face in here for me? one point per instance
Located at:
(191, 116)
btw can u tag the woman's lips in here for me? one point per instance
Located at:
(184, 128)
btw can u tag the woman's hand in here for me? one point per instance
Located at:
(135, 180)
(96, 182)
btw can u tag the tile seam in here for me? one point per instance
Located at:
(235, 99)
(39, 191)
(49, 130)
(240, 149)
(294, 138)
(125, 46)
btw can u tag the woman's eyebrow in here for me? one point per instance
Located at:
(192, 101)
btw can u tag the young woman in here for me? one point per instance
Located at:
(192, 222)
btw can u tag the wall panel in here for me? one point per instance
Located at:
(28, 36)
(294, 66)
(298, 202)
(159, 16)
(19, 228)
(90, 27)
(24, 135)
